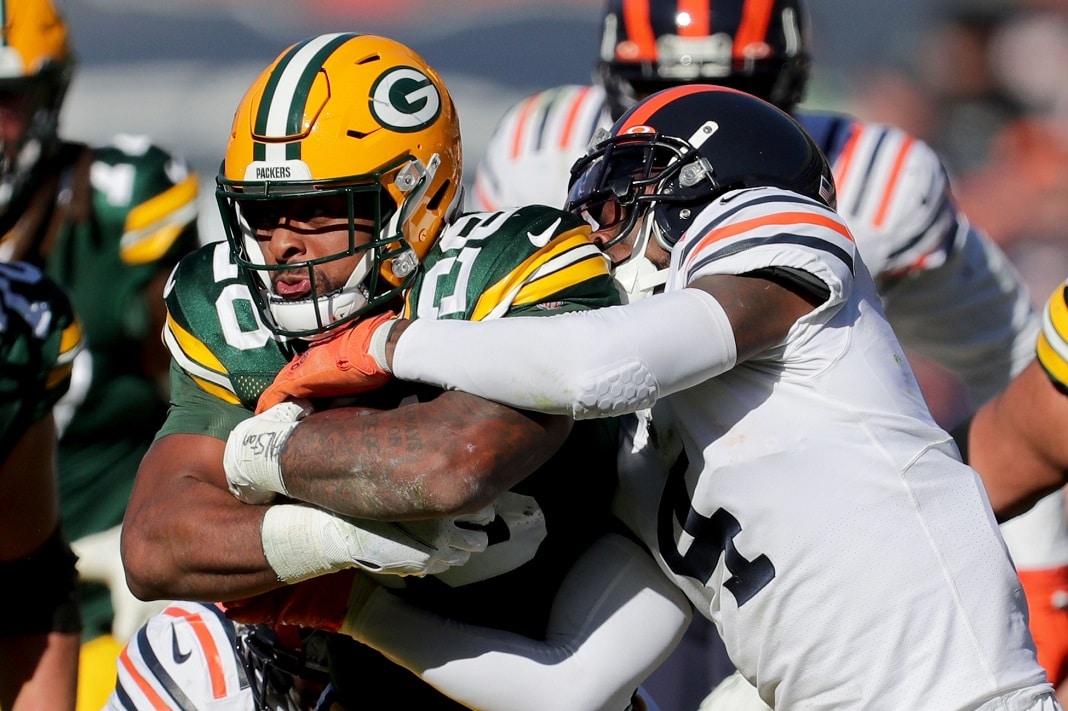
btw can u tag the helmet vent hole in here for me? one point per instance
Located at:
(355, 134)
(369, 59)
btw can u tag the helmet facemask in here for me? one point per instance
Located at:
(374, 239)
(646, 185)
(35, 101)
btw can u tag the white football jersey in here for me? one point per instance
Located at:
(798, 467)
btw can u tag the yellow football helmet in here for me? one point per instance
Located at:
(356, 115)
(36, 64)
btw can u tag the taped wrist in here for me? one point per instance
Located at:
(253, 458)
(297, 544)
(377, 345)
(41, 590)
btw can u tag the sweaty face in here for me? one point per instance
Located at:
(311, 234)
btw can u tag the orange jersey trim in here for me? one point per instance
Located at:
(151, 694)
(895, 174)
(779, 218)
(521, 124)
(572, 115)
(207, 643)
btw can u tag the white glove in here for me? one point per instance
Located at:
(301, 542)
(253, 451)
(100, 561)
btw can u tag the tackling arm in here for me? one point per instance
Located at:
(619, 359)
(1017, 443)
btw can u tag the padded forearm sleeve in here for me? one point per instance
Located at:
(585, 364)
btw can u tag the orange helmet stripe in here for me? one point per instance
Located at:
(636, 19)
(700, 24)
(654, 103)
(151, 695)
(756, 17)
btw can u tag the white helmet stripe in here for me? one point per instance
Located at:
(292, 86)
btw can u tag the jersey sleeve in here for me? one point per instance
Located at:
(39, 338)
(533, 261)
(529, 155)
(147, 197)
(772, 231)
(894, 194)
(213, 331)
(1052, 347)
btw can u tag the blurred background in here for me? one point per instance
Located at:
(984, 81)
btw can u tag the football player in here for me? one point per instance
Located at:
(1016, 443)
(39, 638)
(341, 193)
(815, 508)
(948, 290)
(108, 223)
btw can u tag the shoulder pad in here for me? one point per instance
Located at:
(490, 264)
(147, 197)
(529, 156)
(213, 329)
(894, 194)
(1052, 348)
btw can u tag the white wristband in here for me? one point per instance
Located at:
(377, 345)
(253, 454)
(294, 544)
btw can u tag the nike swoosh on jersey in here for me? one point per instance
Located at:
(179, 656)
(542, 238)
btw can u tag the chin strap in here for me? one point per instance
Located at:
(637, 277)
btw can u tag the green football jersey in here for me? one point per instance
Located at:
(529, 261)
(39, 338)
(104, 222)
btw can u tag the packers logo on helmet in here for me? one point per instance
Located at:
(404, 99)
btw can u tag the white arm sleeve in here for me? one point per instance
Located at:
(614, 620)
(585, 364)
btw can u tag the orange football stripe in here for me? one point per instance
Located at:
(524, 116)
(639, 28)
(151, 694)
(845, 158)
(779, 218)
(899, 161)
(700, 18)
(489, 204)
(207, 643)
(572, 113)
(756, 17)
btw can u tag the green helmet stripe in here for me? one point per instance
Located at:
(285, 94)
